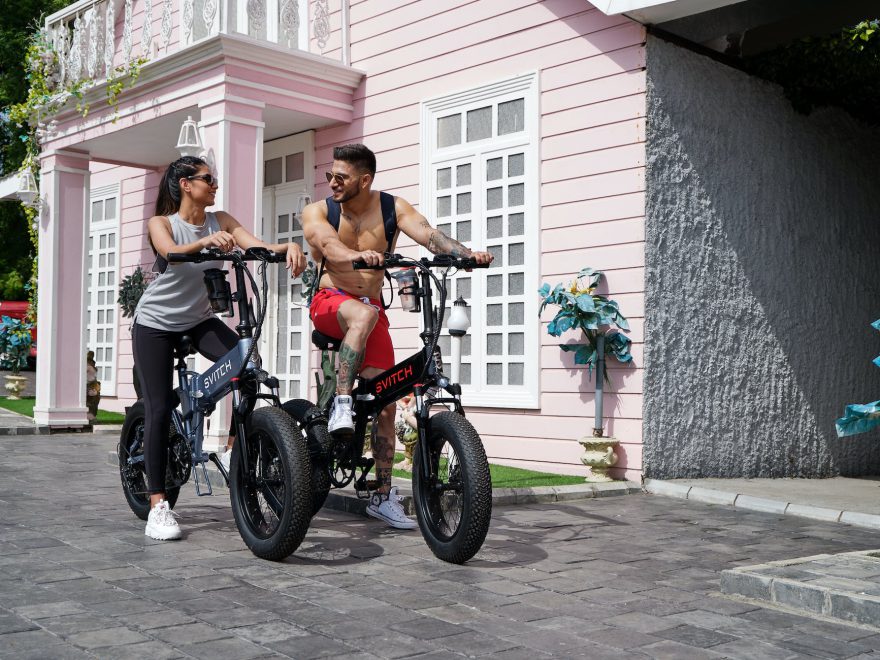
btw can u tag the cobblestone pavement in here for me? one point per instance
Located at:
(623, 577)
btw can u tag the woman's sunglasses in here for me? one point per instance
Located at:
(210, 179)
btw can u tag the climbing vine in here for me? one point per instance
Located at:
(842, 69)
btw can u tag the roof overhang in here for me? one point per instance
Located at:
(9, 188)
(651, 12)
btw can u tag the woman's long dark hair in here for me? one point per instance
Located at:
(168, 201)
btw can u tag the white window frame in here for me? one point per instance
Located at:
(102, 194)
(523, 86)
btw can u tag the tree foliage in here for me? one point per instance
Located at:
(842, 69)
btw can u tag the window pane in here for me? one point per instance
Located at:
(495, 285)
(444, 207)
(494, 169)
(272, 172)
(516, 165)
(99, 336)
(109, 334)
(444, 178)
(465, 374)
(463, 203)
(464, 287)
(284, 223)
(102, 279)
(516, 195)
(515, 224)
(515, 313)
(479, 124)
(295, 314)
(97, 211)
(446, 228)
(494, 374)
(493, 315)
(495, 344)
(463, 231)
(511, 116)
(294, 364)
(445, 344)
(448, 131)
(494, 198)
(102, 241)
(463, 175)
(515, 284)
(110, 208)
(516, 343)
(516, 254)
(496, 251)
(494, 228)
(102, 261)
(112, 239)
(466, 342)
(515, 373)
(295, 166)
(101, 298)
(111, 259)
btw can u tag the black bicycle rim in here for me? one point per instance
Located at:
(263, 487)
(445, 501)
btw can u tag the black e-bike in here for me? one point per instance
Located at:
(270, 473)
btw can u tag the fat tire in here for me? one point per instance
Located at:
(318, 441)
(450, 428)
(282, 442)
(133, 483)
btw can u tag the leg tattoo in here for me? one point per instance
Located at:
(383, 452)
(350, 362)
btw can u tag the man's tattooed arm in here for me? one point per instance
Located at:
(440, 243)
(349, 365)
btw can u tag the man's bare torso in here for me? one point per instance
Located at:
(364, 232)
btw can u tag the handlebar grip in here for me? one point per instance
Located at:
(179, 257)
(362, 265)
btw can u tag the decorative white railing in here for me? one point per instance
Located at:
(89, 44)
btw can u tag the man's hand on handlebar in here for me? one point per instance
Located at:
(370, 258)
(483, 258)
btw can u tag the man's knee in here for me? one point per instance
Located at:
(359, 317)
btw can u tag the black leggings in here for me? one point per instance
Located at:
(154, 358)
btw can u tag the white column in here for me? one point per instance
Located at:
(61, 308)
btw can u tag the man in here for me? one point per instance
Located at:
(358, 224)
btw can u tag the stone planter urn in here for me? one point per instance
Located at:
(14, 385)
(599, 455)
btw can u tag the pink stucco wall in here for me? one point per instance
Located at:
(592, 99)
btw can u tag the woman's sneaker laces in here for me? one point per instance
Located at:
(161, 523)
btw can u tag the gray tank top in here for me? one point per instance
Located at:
(177, 299)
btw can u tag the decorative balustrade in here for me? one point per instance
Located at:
(92, 42)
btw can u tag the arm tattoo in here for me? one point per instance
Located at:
(350, 362)
(440, 243)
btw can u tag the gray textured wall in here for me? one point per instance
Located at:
(763, 238)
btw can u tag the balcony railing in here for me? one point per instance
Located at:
(92, 38)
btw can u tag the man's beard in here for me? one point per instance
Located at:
(347, 195)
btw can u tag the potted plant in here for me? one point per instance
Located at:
(600, 321)
(15, 346)
(131, 288)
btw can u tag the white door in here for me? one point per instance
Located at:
(288, 170)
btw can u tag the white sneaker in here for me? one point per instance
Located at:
(390, 510)
(225, 459)
(340, 415)
(161, 523)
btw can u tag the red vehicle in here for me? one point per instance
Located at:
(17, 309)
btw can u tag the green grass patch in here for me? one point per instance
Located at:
(504, 476)
(25, 406)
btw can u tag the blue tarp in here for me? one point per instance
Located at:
(859, 418)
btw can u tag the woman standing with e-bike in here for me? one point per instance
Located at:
(176, 304)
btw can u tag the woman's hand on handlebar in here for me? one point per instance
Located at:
(221, 239)
(296, 259)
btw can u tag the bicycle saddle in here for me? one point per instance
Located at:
(184, 347)
(325, 342)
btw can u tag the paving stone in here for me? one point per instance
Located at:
(96, 639)
(230, 648)
(10, 623)
(153, 650)
(669, 650)
(695, 636)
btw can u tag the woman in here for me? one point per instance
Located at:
(176, 303)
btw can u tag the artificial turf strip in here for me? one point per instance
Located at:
(25, 406)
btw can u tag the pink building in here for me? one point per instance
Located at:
(517, 127)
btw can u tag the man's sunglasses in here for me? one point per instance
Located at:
(339, 178)
(210, 179)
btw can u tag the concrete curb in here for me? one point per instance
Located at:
(764, 505)
(33, 429)
(795, 585)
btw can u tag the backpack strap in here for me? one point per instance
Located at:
(389, 216)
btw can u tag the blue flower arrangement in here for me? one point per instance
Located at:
(15, 343)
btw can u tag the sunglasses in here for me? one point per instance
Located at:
(210, 179)
(339, 178)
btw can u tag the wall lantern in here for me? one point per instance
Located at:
(27, 186)
(188, 142)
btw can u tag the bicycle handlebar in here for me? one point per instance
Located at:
(438, 261)
(214, 254)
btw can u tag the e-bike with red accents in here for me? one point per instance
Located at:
(269, 475)
(452, 488)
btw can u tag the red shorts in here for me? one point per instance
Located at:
(325, 305)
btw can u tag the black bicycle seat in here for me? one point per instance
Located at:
(325, 342)
(184, 347)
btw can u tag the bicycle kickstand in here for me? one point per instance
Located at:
(207, 480)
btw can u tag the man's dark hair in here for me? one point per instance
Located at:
(358, 155)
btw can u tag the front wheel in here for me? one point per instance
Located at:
(271, 495)
(454, 506)
(132, 471)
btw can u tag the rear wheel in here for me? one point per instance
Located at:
(453, 507)
(318, 441)
(131, 463)
(271, 496)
